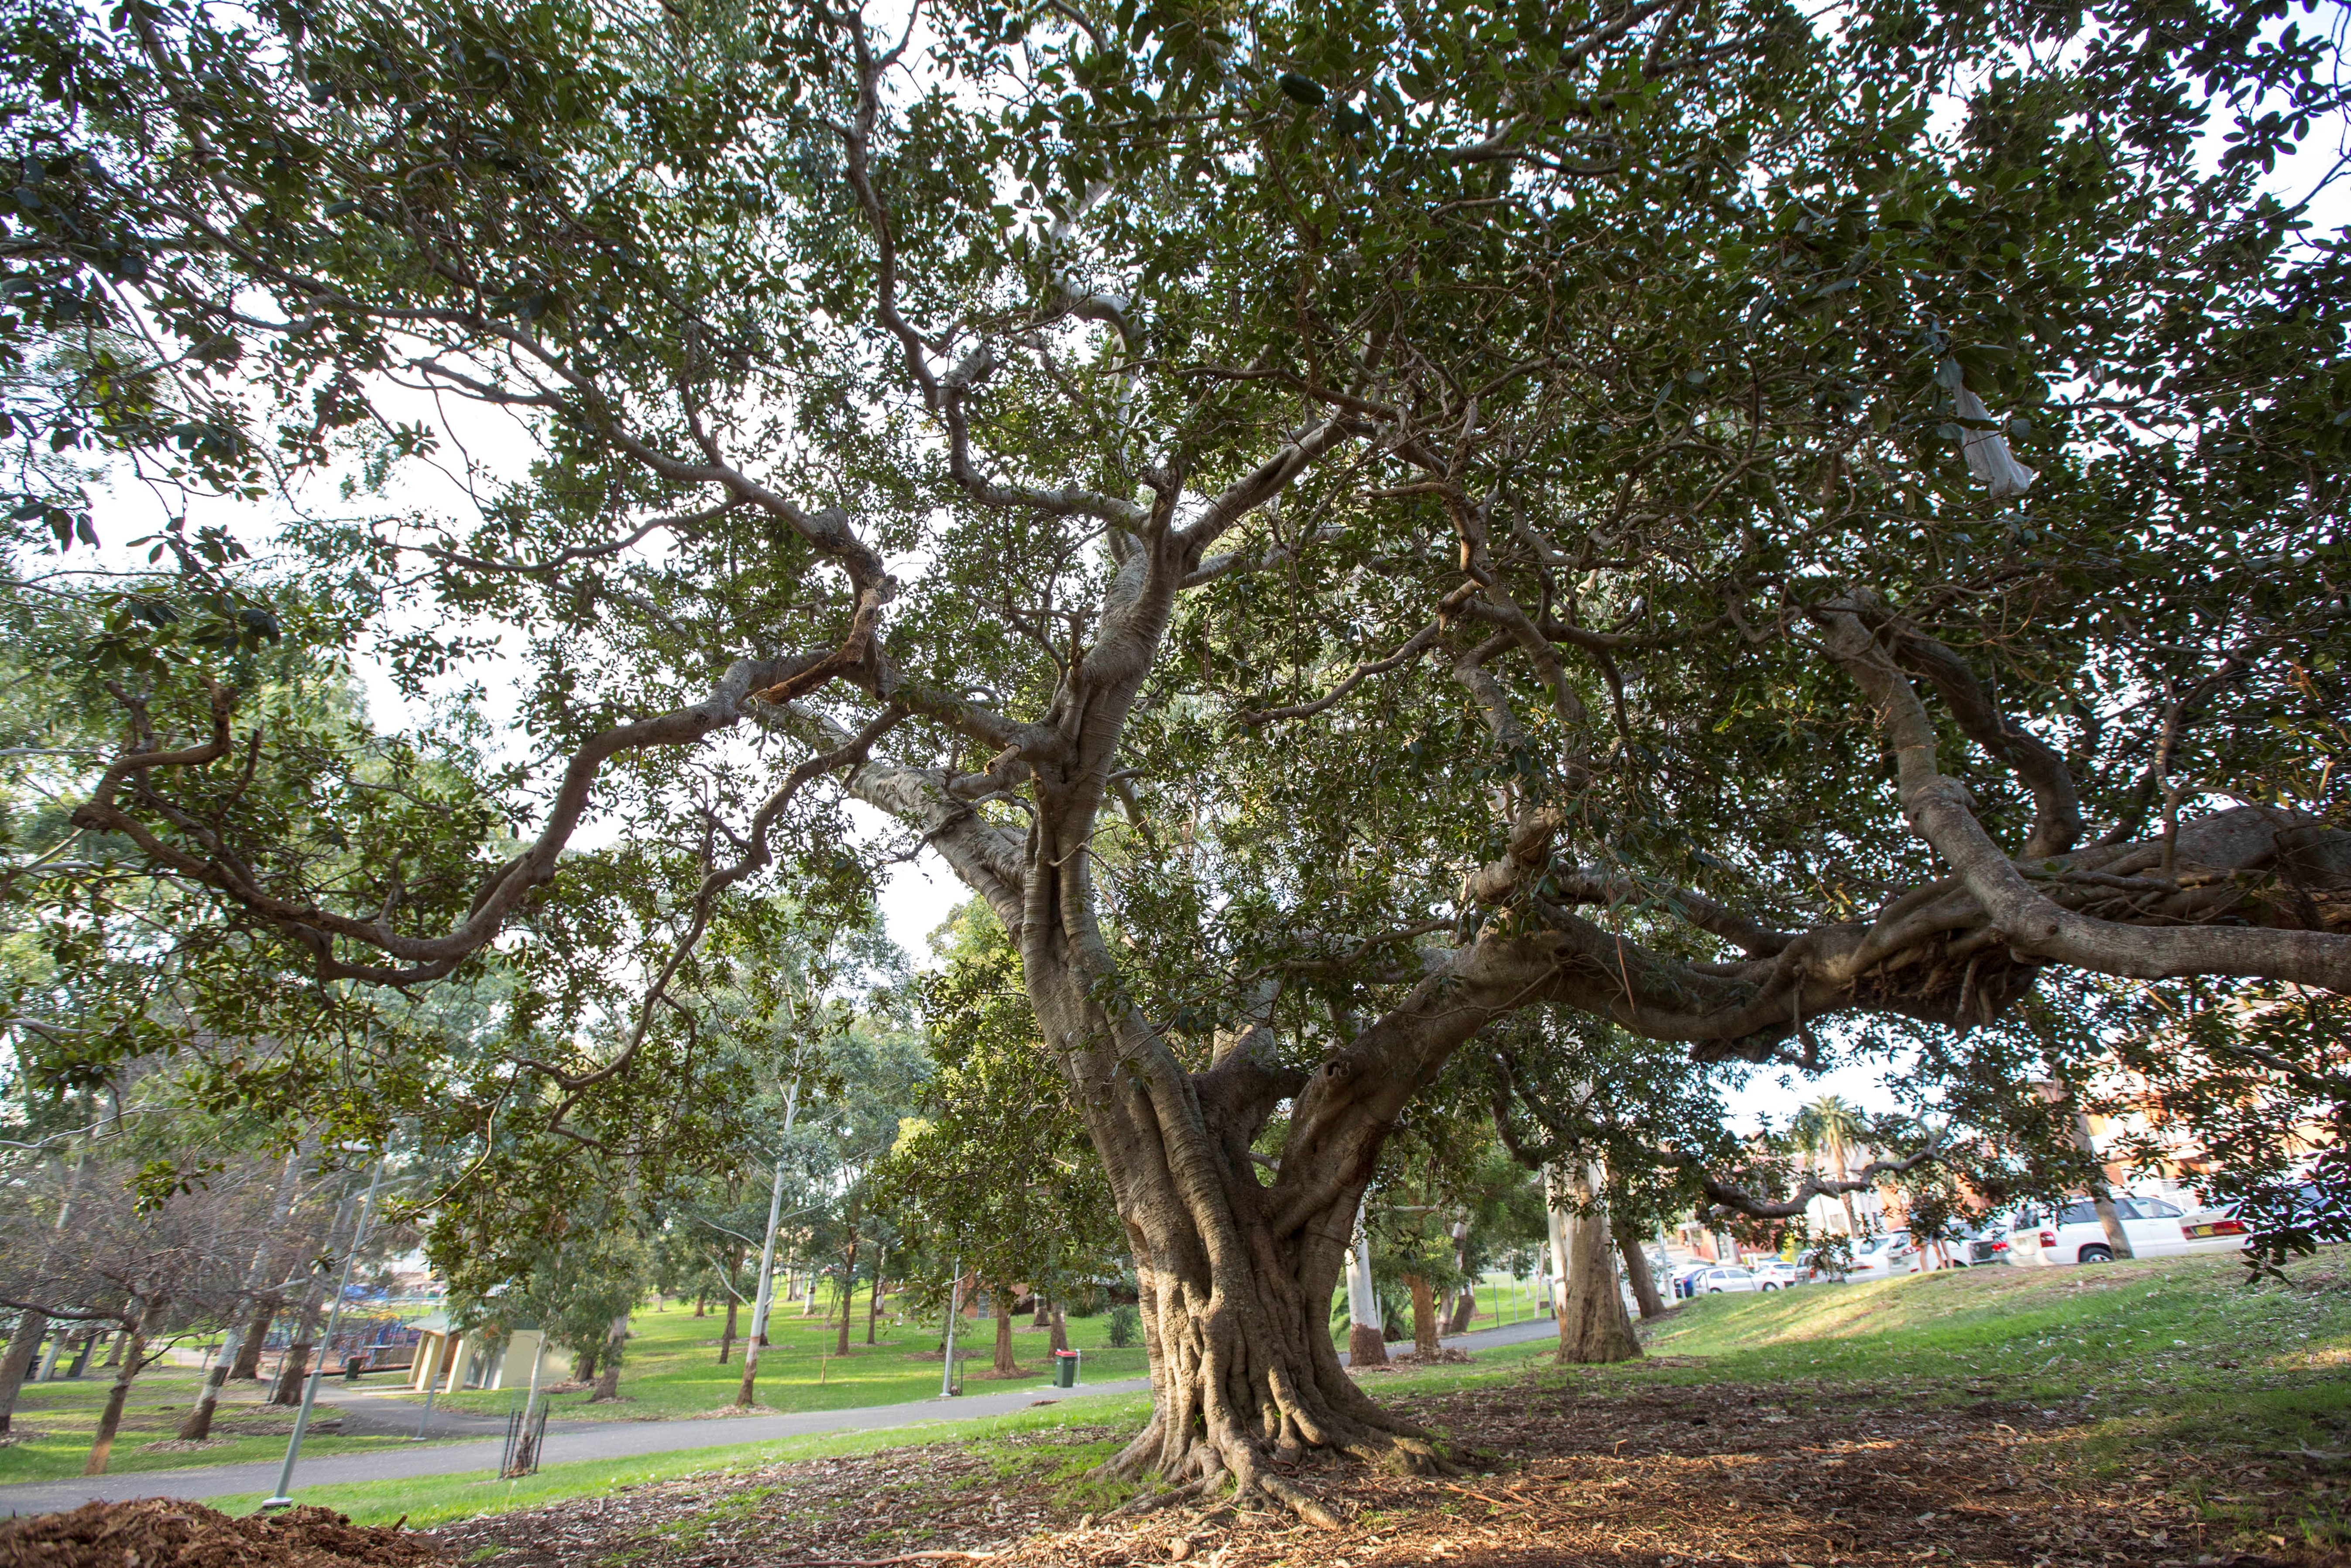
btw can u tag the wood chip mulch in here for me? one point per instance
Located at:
(1655, 1477)
(162, 1532)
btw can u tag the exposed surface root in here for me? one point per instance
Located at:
(1653, 1475)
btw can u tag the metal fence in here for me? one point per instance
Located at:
(524, 1441)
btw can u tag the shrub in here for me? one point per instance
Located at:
(1125, 1326)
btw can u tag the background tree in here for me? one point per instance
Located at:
(1345, 528)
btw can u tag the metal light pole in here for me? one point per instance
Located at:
(955, 1303)
(310, 1389)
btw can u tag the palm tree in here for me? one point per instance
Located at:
(1832, 1125)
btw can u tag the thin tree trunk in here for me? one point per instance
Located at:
(199, 1423)
(287, 1388)
(726, 1339)
(114, 1349)
(873, 1302)
(1636, 1270)
(583, 1363)
(608, 1385)
(31, 1329)
(1044, 1318)
(700, 1305)
(256, 1336)
(1060, 1329)
(848, 1293)
(1465, 1309)
(1005, 1365)
(109, 1419)
(2101, 1198)
(1367, 1340)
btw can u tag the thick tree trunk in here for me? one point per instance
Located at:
(583, 1361)
(31, 1329)
(1592, 1325)
(1061, 1330)
(1636, 1269)
(1005, 1365)
(701, 1306)
(608, 1385)
(1424, 1316)
(109, 1419)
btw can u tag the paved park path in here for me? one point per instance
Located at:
(572, 1442)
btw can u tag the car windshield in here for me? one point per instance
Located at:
(2078, 1214)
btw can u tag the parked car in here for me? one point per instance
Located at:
(2071, 1233)
(1715, 1281)
(1687, 1276)
(2215, 1229)
(1883, 1258)
(1983, 1247)
(1778, 1274)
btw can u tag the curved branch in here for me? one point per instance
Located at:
(1938, 810)
(426, 958)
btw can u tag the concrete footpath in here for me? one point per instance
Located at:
(573, 1441)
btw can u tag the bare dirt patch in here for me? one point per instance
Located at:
(1657, 1477)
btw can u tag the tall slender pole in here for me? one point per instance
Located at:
(955, 1305)
(768, 1260)
(318, 1364)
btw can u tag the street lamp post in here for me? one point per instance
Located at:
(310, 1389)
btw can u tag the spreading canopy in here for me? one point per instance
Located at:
(1343, 523)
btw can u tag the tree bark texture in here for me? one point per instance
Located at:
(256, 1336)
(31, 1329)
(1636, 1270)
(848, 1294)
(109, 1419)
(873, 1302)
(1060, 1329)
(1005, 1365)
(1592, 1326)
(1424, 1315)
(608, 1385)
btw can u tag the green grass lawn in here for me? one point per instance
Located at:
(2169, 1362)
(440, 1499)
(671, 1371)
(2161, 1350)
(672, 1367)
(57, 1421)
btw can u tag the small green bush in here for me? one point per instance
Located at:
(1125, 1326)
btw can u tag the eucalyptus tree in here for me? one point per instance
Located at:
(1344, 523)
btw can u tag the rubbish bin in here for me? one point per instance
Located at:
(1065, 1369)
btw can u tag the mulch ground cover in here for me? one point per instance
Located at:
(1558, 1474)
(1663, 1477)
(160, 1532)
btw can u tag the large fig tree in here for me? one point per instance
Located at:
(1346, 523)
